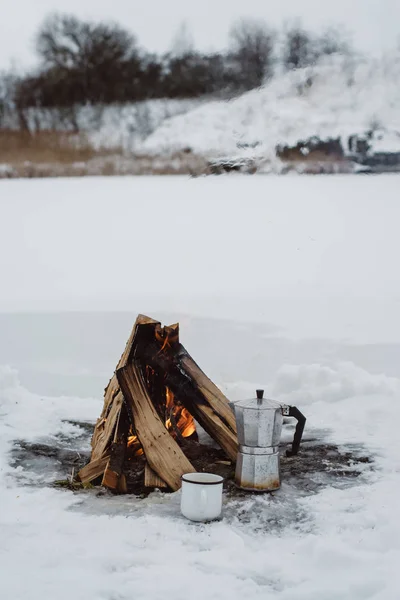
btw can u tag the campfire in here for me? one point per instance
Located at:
(151, 407)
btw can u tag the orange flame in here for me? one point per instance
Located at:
(163, 338)
(183, 421)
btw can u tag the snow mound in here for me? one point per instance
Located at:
(307, 384)
(337, 98)
(29, 416)
(125, 126)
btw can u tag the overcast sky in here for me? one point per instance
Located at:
(375, 23)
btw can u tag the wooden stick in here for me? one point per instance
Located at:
(113, 399)
(162, 452)
(122, 485)
(151, 479)
(106, 429)
(114, 466)
(215, 398)
(93, 470)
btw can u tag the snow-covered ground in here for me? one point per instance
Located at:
(298, 279)
(338, 98)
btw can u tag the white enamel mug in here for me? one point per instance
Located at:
(201, 498)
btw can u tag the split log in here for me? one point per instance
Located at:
(193, 389)
(162, 452)
(215, 427)
(214, 415)
(142, 323)
(110, 393)
(122, 485)
(105, 428)
(93, 470)
(151, 479)
(215, 398)
(114, 466)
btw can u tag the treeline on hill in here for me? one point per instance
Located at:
(82, 62)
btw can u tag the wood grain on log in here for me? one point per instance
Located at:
(113, 399)
(215, 428)
(93, 470)
(163, 454)
(106, 429)
(151, 479)
(215, 398)
(110, 393)
(122, 485)
(141, 322)
(114, 466)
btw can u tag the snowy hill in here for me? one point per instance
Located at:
(337, 98)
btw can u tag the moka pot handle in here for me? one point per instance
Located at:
(293, 411)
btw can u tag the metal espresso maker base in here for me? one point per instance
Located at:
(258, 469)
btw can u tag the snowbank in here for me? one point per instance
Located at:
(338, 98)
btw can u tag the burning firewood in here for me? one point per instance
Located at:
(149, 409)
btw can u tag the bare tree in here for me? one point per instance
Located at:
(334, 40)
(85, 61)
(252, 47)
(298, 48)
(65, 42)
(302, 48)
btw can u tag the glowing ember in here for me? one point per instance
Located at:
(163, 338)
(184, 421)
